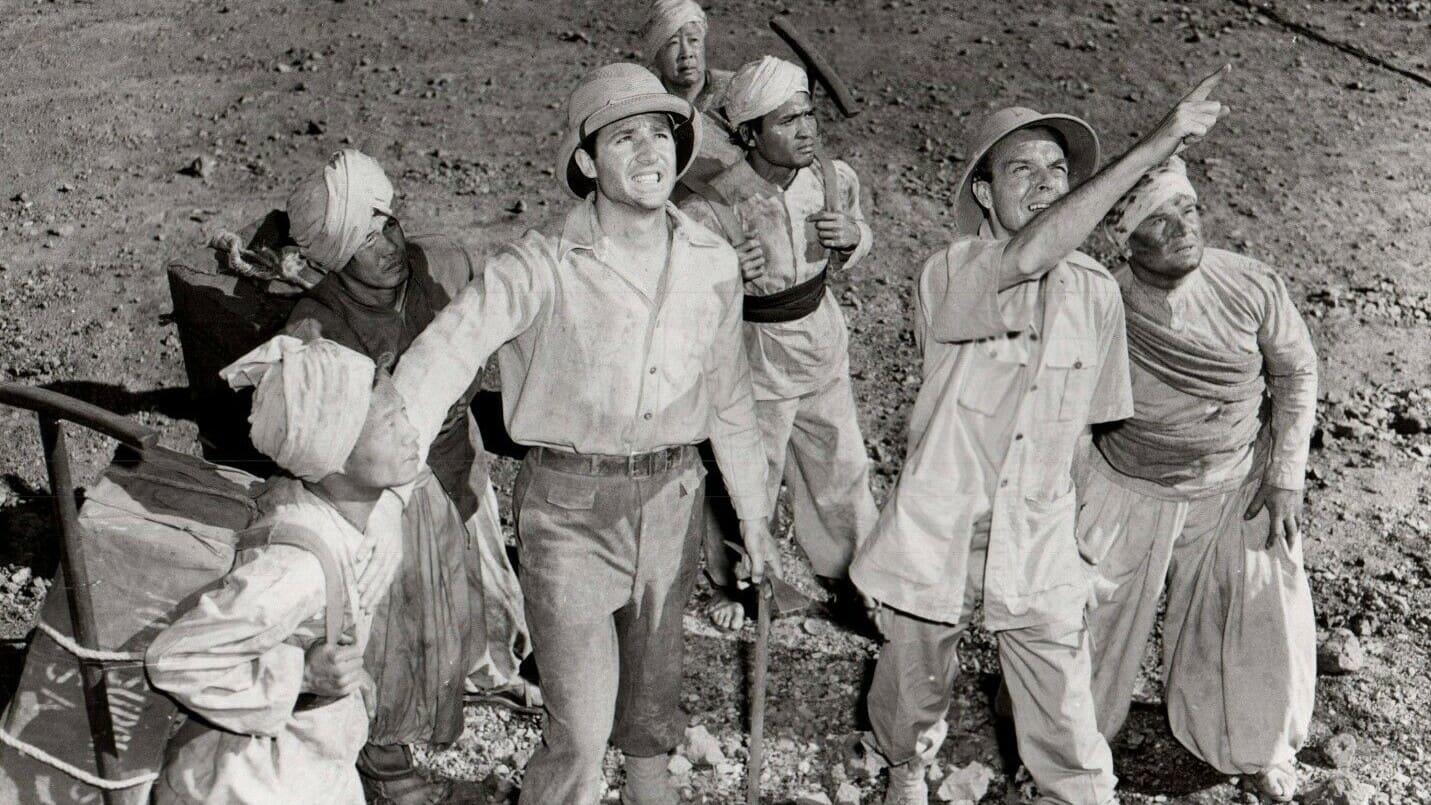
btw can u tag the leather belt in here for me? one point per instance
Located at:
(652, 463)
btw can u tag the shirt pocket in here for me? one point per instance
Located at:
(1070, 374)
(990, 373)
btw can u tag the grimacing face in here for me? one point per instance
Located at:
(386, 454)
(789, 135)
(1027, 172)
(681, 62)
(381, 261)
(635, 161)
(1168, 243)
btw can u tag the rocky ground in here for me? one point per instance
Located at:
(132, 129)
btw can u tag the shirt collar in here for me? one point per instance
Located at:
(582, 229)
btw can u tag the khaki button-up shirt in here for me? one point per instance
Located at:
(1011, 382)
(791, 358)
(596, 358)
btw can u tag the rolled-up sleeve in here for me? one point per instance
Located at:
(850, 203)
(1291, 365)
(734, 432)
(225, 659)
(498, 305)
(959, 291)
(1113, 396)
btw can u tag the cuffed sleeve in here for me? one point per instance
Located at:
(734, 432)
(1113, 396)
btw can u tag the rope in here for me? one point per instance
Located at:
(83, 776)
(67, 643)
(1345, 47)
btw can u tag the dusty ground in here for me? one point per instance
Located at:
(1321, 170)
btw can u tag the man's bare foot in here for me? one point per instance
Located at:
(1279, 783)
(726, 612)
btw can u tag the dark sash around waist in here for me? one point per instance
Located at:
(791, 304)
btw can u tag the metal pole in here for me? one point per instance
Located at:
(78, 591)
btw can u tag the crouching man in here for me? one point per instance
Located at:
(239, 658)
(1023, 351)
(618, 340)
(1199, 493)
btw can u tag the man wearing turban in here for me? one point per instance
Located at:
(1023, 343)
(1199, 494)
(789, 228)
(240, 659)
(454, 606)
(673, 40)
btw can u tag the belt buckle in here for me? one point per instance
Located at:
(660, 461)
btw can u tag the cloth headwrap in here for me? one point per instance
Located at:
(760, 87)
(330, 213)
(665, 18)
(310, 402)
(1164, 182)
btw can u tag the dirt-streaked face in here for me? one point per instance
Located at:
(681, 62)
(386, 454)
(1028, 172)
(635, 162)
(1168, 243)
(789, 135)
(381, 261)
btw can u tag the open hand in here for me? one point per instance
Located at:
(1284, 511)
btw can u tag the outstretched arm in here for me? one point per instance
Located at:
(1035, 249)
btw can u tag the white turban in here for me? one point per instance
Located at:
(310, 402)
(760, 87)
(330, 213)
(1167, 181)
(665, 18)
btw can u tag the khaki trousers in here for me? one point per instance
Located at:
(1046, 671)
(813, 442)
(1239, 656)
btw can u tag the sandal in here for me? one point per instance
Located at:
(520, 697)
(1278, 783)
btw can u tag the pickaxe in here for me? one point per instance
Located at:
(774, 593)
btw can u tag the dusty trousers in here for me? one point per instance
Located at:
(1046, 669)
(1239, 638)
(813, 442)
(609, 561)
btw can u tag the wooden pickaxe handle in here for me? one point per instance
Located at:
(815, 63)
(757, 695)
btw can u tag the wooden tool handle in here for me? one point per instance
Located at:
(815, 63)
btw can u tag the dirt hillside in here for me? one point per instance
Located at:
(1321, 170)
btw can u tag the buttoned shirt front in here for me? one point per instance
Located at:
(792, 358)
(596, 358)
(1011, 382)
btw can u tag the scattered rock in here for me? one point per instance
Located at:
(1341, 653)
(1340, 750)
(1341, 789)
(702, 748)
(315, 127)
(813, 798)
(61, 230)
(679, 765)
(965, 785)
(202, 167)
(848, 794)
(863, 761)
(518, 207)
